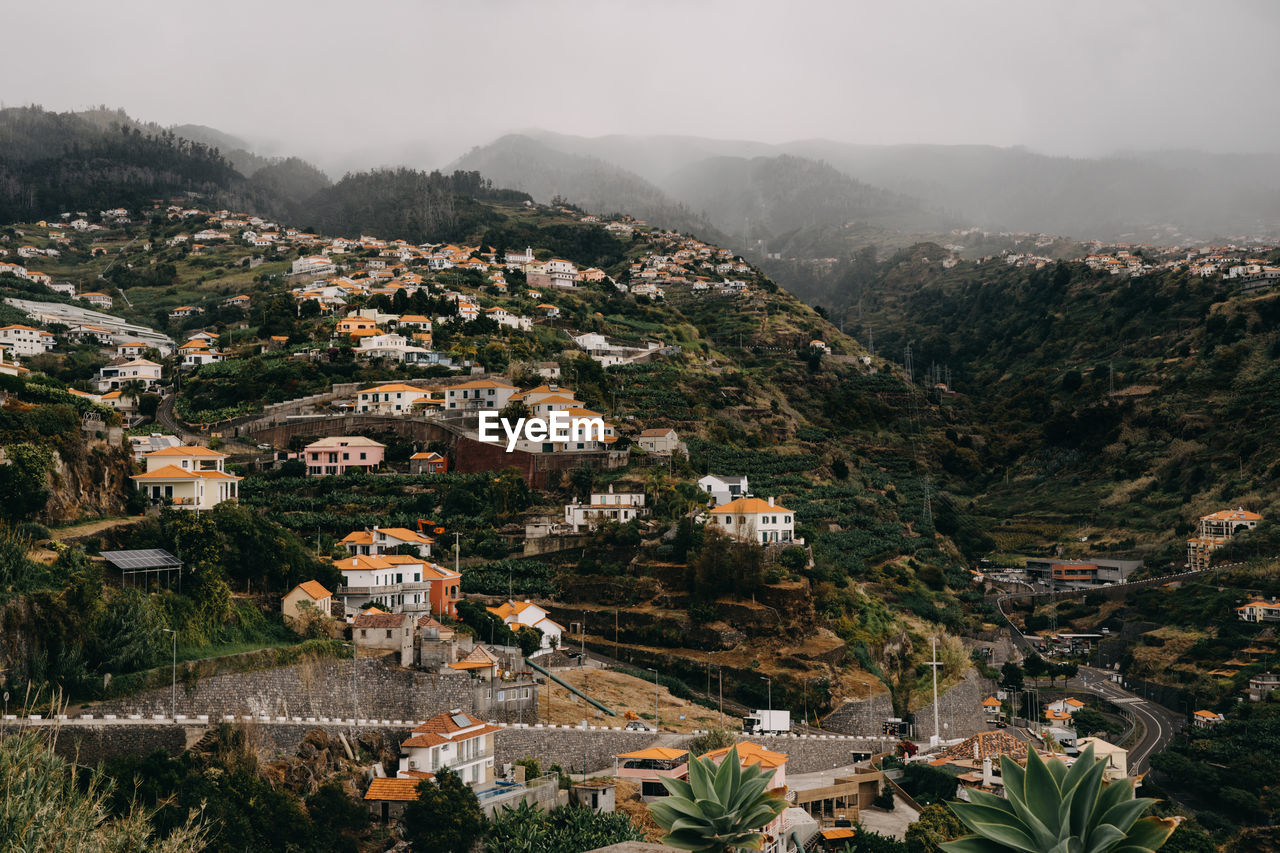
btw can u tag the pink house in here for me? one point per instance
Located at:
(336, 454)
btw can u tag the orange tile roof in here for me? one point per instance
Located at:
(481, 383)
(173, 472)
(360, 563)
(752, 753)
(187, 450)
(393, 387)
(657, 753)
(1232, 515)
(749, 506)
(397, 790)
(314, 589)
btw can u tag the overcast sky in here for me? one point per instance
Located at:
(376, 82)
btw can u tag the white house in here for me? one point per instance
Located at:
(604, 507)
(455, 740)
(96, 299)
(380, 540)
(112, 376)
(26, 340)
(724, 489)
(756, 520)
(479, 394)
(188, 477)
(393, 399)
(313, 265)
(515, 614)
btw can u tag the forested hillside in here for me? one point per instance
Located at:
(1106, 406)
(54, 162)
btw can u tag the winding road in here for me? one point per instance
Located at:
(1159, 723)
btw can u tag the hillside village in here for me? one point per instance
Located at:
(518, 599)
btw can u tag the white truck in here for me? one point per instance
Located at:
(767, 723)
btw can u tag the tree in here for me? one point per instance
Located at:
(1087, 721)
(718, 809)
(132, 389)
(23, 492)
(50, 804)
(1050, 807)
(446, 817)
(1011, 676)
(333, 810)
(936, 824)
(566, 829)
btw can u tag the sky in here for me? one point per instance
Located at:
(384, 82)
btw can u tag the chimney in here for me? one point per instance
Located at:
(770, 501)
(988, 778)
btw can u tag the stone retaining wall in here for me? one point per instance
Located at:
(315, 688)
(91, 741)
(960, 712)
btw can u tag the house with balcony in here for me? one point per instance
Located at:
(115, 374)
(604, 507)
(479, 394)
(187, 477)
(335, 455)
(380, 540)
(26, 340)
(398, 583)
(1206, 719)
(455, 740)
(1215, 530)
(1259, 610)
(392, 399)
(762, 521)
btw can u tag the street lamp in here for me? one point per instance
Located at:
(656, 727)
(770, 682)
(173, 688)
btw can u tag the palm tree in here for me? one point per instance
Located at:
(1050, 808)
(132, 389)
(718, 809)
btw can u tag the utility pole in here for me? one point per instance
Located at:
(457, 549)
(934, 664)
(769, 681)
(173, 688)
(720, 675)
(655, 697)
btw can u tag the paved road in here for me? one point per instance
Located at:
(1159, 723)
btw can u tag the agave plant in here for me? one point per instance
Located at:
(1052, 809)
(718, 809)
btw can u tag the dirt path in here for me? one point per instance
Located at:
(76, 531)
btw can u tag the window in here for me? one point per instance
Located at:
(363, 633)
(362, 454)
(346, 456)
(388, 633)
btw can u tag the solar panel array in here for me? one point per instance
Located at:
(137, 561)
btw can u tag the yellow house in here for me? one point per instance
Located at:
(190, 477)
(307, 595)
